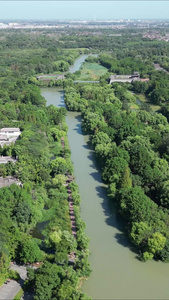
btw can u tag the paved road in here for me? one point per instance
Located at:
(9, 290)
(20, 269)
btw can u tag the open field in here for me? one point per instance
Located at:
(91, 71)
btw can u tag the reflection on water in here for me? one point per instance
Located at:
(37, 231)
(77, 64)
(52, 95)
(79, 61)
(117, 273)
(138, 101)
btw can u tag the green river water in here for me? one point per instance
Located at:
(116, 271)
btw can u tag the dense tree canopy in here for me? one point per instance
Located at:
(131, 145)
(41, 199)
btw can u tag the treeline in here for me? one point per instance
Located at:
(126, 65)
(122, 43)
(29, 54)
(156, 89)
(131, 148)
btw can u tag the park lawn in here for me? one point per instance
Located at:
(91, 71)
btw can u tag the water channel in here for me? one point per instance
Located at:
(117, 274)
(78, 62)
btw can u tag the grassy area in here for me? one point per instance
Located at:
(134, 106)
(91, 71)
(19, 295)
(144, 99)
(3, 278)
(155, 108)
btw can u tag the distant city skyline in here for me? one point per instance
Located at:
(93, 10)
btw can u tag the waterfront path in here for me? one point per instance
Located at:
(70, 199)
(116, 273)
(70, 178)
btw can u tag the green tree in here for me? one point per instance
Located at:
(60, 166)
(114, 169)
(156, 243)
(136, 206)
(164, 253)
(140, 233)
(22, 213)
(126, 181)
(29, 251)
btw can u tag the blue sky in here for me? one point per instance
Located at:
(84, 9)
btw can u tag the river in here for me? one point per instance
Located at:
(78, 62)
(117, 273)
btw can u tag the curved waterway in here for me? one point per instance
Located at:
(78, 62)
(117, 273)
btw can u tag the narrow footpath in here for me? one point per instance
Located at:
(70, 178)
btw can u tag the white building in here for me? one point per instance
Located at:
(10, 132)
(9, 180)
(6, 159)
(9, 136)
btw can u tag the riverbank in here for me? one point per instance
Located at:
(85, 72)
(69, 179)
(64, 242)
(43, 198)
(118, 266)
(113, 249)
(119, 274)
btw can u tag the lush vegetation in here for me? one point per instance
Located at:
(131, 148)
(130, 139)
(131, 143)
(43, 167)
(91, 71)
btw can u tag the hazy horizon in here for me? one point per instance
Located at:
(86, 10)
